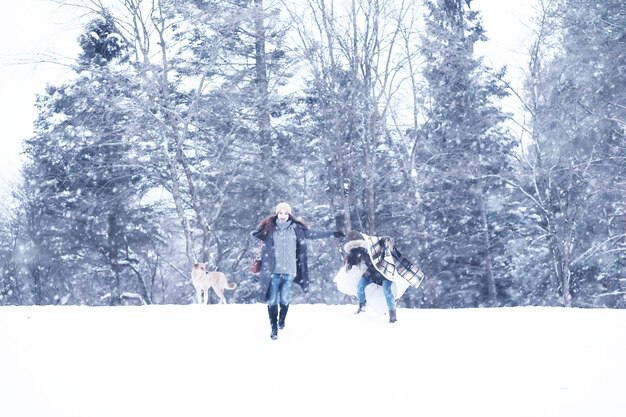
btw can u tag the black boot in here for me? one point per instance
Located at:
(392, 316)
(361, 308)
(282, 315)
(273, 313)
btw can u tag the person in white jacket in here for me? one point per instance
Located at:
(374, 270)
(357, 256)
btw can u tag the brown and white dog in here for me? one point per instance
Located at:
(202, 280)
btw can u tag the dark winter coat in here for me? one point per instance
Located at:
(265, 233)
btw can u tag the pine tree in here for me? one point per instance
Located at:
(86, 168)
(464, 150)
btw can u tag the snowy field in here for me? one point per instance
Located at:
(218, 360)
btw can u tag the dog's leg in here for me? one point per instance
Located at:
(220, 294)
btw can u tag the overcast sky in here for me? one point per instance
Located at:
(34, 33)
(31, 32)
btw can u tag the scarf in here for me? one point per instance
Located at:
(390, 262)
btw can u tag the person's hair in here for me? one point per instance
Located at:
(355, 257)
(268, 224)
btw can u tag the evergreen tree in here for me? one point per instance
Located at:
(86, 169)
(464, 151)
(11, 292)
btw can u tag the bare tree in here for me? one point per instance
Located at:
(355, 56)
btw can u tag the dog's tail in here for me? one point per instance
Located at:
(231, 286)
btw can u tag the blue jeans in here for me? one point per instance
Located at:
(365, 281)
(280, 283)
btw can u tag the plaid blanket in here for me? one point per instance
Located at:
(390, 262)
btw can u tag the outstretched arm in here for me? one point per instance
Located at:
(321, 234)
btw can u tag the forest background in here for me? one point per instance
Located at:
(186, 122)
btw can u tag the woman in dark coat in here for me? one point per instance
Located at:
(284, 260)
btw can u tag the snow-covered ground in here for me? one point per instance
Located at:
(218, 360)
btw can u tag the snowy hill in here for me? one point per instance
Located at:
(218, 360)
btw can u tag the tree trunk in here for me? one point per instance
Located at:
(568, 237)
(262, 101)
(489, 279)
(173, 156)
(562, 270)
(35, 273)
(345, 183)
(197, 208)
(369, 181)
(112, 257)
(177, 197)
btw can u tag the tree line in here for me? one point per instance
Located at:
(187, 121)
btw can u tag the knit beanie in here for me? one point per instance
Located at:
(282, 207)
